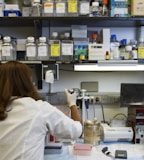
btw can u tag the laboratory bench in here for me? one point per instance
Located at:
(134, 152)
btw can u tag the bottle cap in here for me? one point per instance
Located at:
(7, 39)
(42, 39)
(104, 2)
(95, 4)
(36, 1)
(54, 34)
(30, 39)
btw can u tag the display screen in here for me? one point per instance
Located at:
(132, 95)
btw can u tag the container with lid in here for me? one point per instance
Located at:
(84, 7)
(60, 8)
(67, 48)
(92, 132)
(8, 49)
(48, 8)
(42, 49)
(31, 49)
(72, 9)
(54, 47)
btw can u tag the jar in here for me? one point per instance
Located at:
(92, 132)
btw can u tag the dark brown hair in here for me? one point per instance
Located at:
(15, 80)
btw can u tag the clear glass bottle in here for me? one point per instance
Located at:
(96, 10)
(84, 7)
(122, 49)
(42, 48)
(8, 49)
(134, 49)
(36, 9)
(54, 44)
(72, 8)
(67, 48)
(31, 49)
(141, 49)
(114, 47)
(60, 8)
(48, 8)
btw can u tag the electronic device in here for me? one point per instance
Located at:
(117, 134)
(132, 95)
(121, 154)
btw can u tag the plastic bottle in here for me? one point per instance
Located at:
(60, 8)
(134, 49)
(141, 49)
(114, 47)
(31, 49)
(8, 49)
(122, 49)
(72, 8)
(67, 48)
(48, 8)
(36, 9)
(42, 48)
(84, 7)
(54, 43)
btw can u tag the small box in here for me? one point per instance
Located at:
(79, 31)
(96, 52)
(137, 7)
(120, 8)
(12, 10)
(82, 149)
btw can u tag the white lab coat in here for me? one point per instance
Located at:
(22, 134)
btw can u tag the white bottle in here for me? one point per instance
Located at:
(8, 50)
(42, 49)
(60, 8)
(48, 8)
(31, 51)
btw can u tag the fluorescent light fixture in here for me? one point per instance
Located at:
(119, 67)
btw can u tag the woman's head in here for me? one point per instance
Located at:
(15, 80)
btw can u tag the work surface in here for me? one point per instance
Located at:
(134, 152)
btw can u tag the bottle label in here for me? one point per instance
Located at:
(141, 52)
(6, 50)
(55, 50)
(60, 8)
(42, 51)
(48, 8)
(67, 49)
(84, 8)
(31, 51)
(72, 6)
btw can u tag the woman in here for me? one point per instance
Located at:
(25, 119)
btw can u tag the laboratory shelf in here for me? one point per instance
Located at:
(64, 21)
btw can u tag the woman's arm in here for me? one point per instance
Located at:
(71, 100)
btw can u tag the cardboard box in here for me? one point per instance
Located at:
(137, 7)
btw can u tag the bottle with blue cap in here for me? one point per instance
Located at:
(114, 47)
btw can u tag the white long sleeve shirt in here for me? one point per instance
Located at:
(22, 134)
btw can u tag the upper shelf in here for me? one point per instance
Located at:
(65, 21)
